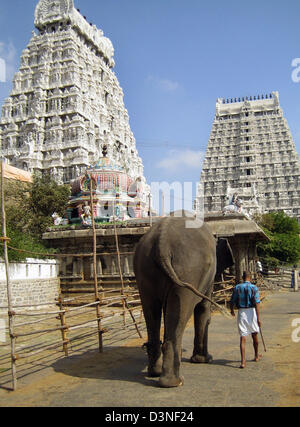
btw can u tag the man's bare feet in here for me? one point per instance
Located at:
(257, 358)
(243, 365)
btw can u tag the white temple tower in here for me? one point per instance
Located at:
(251, 155)
(66, 108)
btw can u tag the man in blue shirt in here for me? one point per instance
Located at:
(245, 297)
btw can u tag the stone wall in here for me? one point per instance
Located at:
(35, 293)
(34, 283)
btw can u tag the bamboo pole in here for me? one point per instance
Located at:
(296, 281)
(109, 282)
(87, 255)
(41, 331)
(9, 294)
(119, 264)
(100, 337)
(62, 317)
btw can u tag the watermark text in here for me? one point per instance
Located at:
(296, 331)
(2, 70)
(182, 199)
(296, 71)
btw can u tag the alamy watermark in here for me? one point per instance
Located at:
(296, 71)
(2, 331)
(296, 331)
(2, 70)
(183, 199)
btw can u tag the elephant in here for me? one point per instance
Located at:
(175, 269)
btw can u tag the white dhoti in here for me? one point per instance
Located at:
(247, 321)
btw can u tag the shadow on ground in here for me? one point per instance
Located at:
(122, 364)
(127, 364)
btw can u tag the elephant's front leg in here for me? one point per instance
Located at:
(202, 316)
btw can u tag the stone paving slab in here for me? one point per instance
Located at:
(117, 378)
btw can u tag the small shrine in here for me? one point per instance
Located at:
(116, 195)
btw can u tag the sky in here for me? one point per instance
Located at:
(174, 58)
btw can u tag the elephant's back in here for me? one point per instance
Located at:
(172, 237)
(182, 253)
(183, 233)
(192, 251)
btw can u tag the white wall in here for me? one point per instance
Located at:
(30, 269)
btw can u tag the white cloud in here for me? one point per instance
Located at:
(165, 85)
(182, 159)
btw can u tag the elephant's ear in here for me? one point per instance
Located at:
(225, 257)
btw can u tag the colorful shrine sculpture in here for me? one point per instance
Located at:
(116, 196)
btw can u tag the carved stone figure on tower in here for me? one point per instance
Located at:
(52, 10)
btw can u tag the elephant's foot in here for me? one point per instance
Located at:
(155, 359)
(201, 358)
(168, 382)
(155, 371)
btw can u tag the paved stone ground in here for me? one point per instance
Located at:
(117, 378)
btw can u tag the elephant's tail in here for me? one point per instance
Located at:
(165, 261)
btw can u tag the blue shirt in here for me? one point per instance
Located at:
(243, 293)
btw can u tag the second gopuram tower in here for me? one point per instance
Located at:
(251, 156)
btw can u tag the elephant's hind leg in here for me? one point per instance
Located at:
(152, 309)
(177, 314)
(202, 318)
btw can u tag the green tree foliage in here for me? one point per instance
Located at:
(29, 208)
(32, 246)
(283, 232)
(46, 197)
